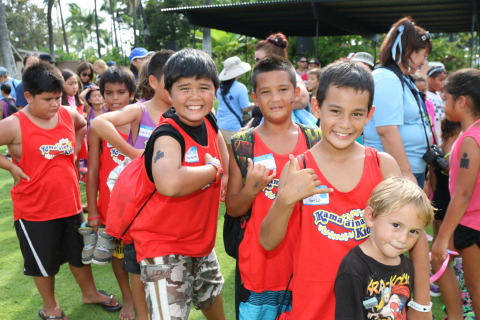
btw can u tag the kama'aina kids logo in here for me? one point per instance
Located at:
(63, 146)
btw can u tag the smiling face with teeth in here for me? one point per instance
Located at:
(193, 99)
(343, 115)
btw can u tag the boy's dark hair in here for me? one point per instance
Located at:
(465, 82)
(117, 75)
(6, 88)
(188, 63)
(42, 77)
(157, 63)
(273, 63)
(346, 74)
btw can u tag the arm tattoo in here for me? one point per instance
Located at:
(256, 184)
(465, 162)
(159, 155)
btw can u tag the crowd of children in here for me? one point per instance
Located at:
(325, 219)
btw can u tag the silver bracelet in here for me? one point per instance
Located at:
(421, 308)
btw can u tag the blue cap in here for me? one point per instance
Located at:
(111, 63)
(3, 71)
(139, 53)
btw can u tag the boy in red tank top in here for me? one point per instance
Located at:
(275, 89)
(332, 183)
(117, 85)
(41, 139)
(174, 234)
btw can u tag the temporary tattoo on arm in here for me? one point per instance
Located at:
(465, 162)
(256, 184)
(159, 155)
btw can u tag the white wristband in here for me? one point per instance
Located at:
(421, 308)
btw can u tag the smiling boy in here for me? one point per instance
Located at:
(175, 233)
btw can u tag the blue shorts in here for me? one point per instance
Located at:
(130, 263)
(266, 305)
(46, 245)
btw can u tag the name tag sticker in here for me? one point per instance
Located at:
(145, 131)
(267, 160)
(192, 155)
(317, 199)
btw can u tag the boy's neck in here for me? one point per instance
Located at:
(159, 104)
(96, 107)
(272, 128)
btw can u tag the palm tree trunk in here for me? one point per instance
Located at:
(50, 28)
(96, 30)
(113, 23)
(65, 39)
(5, 48)
(134, 9)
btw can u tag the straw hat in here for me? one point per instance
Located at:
(232, 68)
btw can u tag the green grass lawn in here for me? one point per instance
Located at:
(19, 298)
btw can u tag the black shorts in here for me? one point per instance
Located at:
(130, 263)
(46, 245)
(465, 237)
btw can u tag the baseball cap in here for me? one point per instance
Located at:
(111, 63)
(3, 71)
(139, 53)
(364, 57)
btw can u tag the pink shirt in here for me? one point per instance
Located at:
(471, 218)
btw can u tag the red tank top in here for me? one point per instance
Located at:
(110, 158)
(48, 159)
(259, 268)
(327, 233)
(181, 225)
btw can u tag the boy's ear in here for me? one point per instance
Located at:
(254, 98)
(153, 82)
(297, 91)
(28, 97)
(315, 108)
(368, 215)
(370, 114)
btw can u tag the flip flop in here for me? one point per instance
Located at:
(44, 317)
(106, 304)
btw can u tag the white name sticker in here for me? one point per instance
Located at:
(192, 155)
(145, 131)
(317, 199)
(267, 160)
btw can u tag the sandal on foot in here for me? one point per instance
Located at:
(106, 304)
(44, 317)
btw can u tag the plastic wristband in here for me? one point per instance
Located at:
(93, 218)
(219, 169)
(421, 308)
(443, 267)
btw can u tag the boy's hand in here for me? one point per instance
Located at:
(257, 176)
(209, 158)
(300, 184)
(18, 175)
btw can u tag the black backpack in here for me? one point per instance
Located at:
(242, 147)
(11, 107)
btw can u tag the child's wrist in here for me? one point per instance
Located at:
(419, 307)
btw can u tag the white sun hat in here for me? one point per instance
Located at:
(232, 68)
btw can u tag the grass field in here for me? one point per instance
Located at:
(19, 298)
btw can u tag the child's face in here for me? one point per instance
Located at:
(450, 107)
(393, 234)
(421, 86)
(312, 83)
(71, 86)
(99, 70)
(116, 96)
(193, 99)
(436, 84)
(343, 115)
(44, 105)
(275, 95)
(95, 98)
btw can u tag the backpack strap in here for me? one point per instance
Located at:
(312, 134)
(242, 148)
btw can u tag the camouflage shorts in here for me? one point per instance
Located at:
(173, 282)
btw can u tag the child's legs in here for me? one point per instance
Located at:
(471, 262)
(138, 287)
(121, 275)
(207, 286)
(46, 288)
